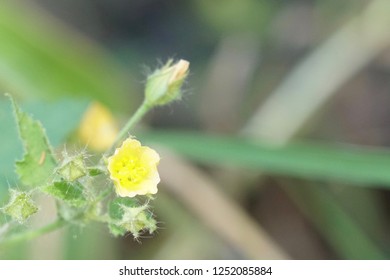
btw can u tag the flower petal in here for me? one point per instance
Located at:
(133, 169)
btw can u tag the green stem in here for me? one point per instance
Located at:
(103, 195)
(28, 235)
(141, 111)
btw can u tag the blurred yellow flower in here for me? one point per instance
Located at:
(133, 168)
(98, 128)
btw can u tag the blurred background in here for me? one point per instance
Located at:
(278, 148)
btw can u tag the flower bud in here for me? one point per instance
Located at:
(126, 215)
(20, 207)
(164, 85)
(73, 168)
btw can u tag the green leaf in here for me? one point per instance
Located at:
(20, 207)
(95, 171)
(117, 230)
(60, 117)
(64, 113)
(359, 165)
(38, 162)
(116, 212)
(69, 192)
(10, 147)
(117, 206)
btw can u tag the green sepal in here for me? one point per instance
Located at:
(126, 215)
(21, 206)
(70, 192)
(72, 168)
(38, 162)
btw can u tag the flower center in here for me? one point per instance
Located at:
(130, 171)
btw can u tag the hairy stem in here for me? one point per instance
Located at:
(31, 234)
(138, 115)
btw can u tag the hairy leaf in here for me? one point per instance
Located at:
(69, 192)
(38, 162)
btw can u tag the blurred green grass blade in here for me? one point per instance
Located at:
(41, 57)
(367, 208)
(335, 224)
(363, 166)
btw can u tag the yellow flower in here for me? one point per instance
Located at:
(133, 168)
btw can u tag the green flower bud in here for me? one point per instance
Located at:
(127, 216)
(164, 85)
(138, 219)
(20, 207)
(73, 168)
